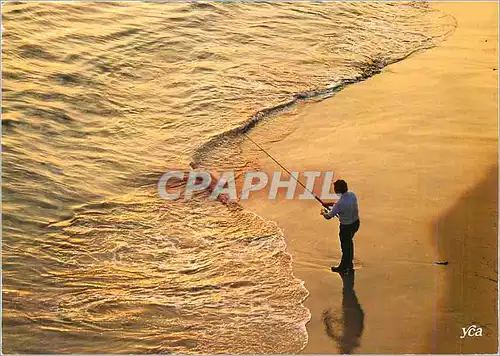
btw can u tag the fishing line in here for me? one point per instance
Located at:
(286, 170)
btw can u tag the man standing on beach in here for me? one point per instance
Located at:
(346, 208)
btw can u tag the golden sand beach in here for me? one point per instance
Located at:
(418, 145)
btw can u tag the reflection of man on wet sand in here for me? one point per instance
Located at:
(352, 318)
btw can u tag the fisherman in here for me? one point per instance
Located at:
(346, 209)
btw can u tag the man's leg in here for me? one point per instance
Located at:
(354, 229)
(351, 252)
(346, 235)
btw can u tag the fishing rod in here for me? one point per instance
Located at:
(286, 170)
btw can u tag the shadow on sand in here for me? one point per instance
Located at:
(466, 237)
(351, 323)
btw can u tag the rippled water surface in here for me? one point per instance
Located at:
(99, 100)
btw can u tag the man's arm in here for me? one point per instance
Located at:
(334, 211)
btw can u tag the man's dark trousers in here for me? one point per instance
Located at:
(346, 234)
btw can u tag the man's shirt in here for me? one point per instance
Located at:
(346, 208)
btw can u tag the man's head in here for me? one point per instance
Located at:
(340, 186)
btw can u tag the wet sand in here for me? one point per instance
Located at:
(418, 144)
